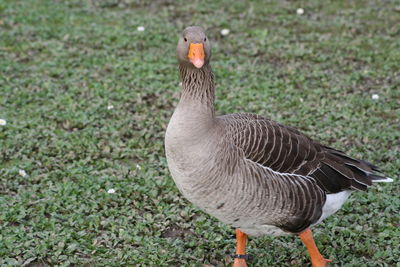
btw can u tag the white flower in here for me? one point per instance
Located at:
(22, 173)
(375, 96)
(140, 29)
(109, 107)
(3, 122)
(300, 11)
(225, 32)
(111, 191)
(138, 167)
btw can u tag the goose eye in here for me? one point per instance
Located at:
(205, 39)
(185, 39)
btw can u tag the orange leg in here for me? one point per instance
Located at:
(241, 240)
(317, 259)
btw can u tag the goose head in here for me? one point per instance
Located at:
(194, 49)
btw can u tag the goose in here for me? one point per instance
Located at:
(250, 172)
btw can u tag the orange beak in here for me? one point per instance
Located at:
(196, 55)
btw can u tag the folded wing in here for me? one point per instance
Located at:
(286, 150)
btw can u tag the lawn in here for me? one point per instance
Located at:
(86, 98)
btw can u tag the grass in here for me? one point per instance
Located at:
(62, 63)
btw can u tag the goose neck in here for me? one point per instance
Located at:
(198, 87)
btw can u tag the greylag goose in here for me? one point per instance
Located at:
(250, 172)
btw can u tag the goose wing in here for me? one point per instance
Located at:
(286, 150)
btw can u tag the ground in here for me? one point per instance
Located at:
(85, 98)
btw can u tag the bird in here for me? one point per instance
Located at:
(251, 172)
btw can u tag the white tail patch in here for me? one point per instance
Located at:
(333, 203)
(385, 180)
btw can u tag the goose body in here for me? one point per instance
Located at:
(249, 171)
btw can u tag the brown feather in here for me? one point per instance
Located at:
(286, 150)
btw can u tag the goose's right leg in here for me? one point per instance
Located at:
(240, 257)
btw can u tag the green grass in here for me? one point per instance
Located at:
(63, 62)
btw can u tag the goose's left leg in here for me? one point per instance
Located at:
(240, 257)
(316, 258)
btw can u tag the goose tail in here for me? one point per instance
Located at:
(379, 179)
